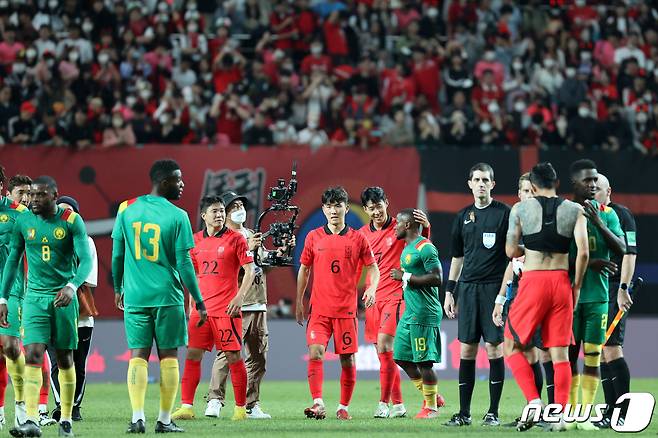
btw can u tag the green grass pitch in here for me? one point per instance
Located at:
(106, 411)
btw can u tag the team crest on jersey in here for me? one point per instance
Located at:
(348, 252)
(31, 234)
(407, 259)
(312, 334)
(488, 240)
(59, 233)
(4, 218)
(389, 241)
(220, 250)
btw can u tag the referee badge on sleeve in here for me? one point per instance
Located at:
(488, 240)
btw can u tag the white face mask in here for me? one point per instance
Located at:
(52, 4)
(192, 27)
(117, 122)
(73, 56)
(642, 118)
(485, 127)
(316, 50)
(519, 106)
(239, 216)
(517, 66)
(30, 53)
(489, 55)
(103, 58)
(583, 112)
(87, 26)
(145, 94)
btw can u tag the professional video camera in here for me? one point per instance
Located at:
(280, 232)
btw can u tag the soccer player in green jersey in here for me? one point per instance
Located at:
(10, 336)
(591, 313)
(55, 243)
(417, 345)
(150, 263)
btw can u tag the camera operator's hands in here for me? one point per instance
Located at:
(255, 241)
(282, 250)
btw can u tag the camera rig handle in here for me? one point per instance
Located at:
(279, 231)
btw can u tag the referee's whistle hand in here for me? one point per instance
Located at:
(3, 316)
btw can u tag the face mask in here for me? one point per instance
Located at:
(50, 63)
(18, 68)
(239, 216)
(145, 94)
(162, 7)
(519, 106)
(191, 6)
(316, 50)
(432, 13)
(281, 124)
(580, 3)
(493, 107)
(131, 101)
(73, 56)
(548, 63)
(87, 27)
(585, 56)
(583, 112)
(117, 122)
(489, 56)
(517, 66)
(164, 119)
(485, 127)
(642, 118)
(30, 53)
(192, 27)
(571, 72)
(52, 4)
(103, 58)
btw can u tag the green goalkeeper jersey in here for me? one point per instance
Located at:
(9, 211)
(152, 230)
(422, 305)
(57, 252)
(595, 284)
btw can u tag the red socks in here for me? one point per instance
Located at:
(562, 381)
(315, 377)
(239, 381)
(387, 370)
(396, 392)
(4, 379)
(45, 386)
(347, 383)
(524, 376)
(190, 381)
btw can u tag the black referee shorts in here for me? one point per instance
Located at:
(617, 336)
(536, 340)
(475, 306)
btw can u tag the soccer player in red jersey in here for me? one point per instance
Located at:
(336, 253)
(382, 318)
(218, 255)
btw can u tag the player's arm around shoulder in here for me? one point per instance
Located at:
(512, 247)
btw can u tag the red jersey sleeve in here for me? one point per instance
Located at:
(242, 251)
(366, 256)
(307, 253)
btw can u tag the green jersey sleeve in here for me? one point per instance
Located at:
(613, 223)
(81, 249)
(430, 257)
(13, 262)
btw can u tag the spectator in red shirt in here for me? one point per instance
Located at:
(462, 11)
(306, 25)
(316, 60)
(227, 68)
(426, 75)
(230, 114)
(334, 37)
(489, 62)
(9, 47)
(486, 93)
(282, 25)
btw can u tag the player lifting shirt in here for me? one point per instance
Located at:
(547, 224)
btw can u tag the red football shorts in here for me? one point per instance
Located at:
(544, 298)
(199, 337)
(344, 330)
(227, 332)
(383, 317)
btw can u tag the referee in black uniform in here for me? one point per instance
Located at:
(615, 376)
(480, 264)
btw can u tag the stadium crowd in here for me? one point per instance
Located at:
(354, 73)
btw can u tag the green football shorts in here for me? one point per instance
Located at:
(417, 343)
(14, 317)
(590, 321)
(43, 323)
(166, 324)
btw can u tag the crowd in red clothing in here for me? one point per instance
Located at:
(354, 73)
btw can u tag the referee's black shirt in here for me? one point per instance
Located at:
(627, 222)
(479, 236)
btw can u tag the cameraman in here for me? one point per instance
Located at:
(254, 322)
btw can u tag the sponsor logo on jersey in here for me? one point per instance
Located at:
(407, 259)
(4, 218)
(31, 234)
(488, 240)
(59, 233)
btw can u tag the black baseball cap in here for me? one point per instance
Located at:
(230, 196)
